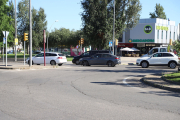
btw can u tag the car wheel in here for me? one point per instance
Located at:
(53, 62)
(172, 65)
(60, 64)
(77, 62)
(85, 63)
(110, 64)
(144, 64)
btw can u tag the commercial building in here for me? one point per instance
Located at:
(150, 33)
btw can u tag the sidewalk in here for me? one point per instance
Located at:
(156, 80)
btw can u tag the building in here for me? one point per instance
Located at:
(149, 33)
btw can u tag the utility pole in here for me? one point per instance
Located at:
(30, 35)
(113, 29)
(15, 32)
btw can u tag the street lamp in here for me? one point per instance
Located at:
(48, 34)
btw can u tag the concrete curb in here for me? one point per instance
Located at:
(166, 86)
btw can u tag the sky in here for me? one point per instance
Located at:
(67, 12)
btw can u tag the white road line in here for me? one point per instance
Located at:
(124, 81)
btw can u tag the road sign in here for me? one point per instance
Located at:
(5, 33)
(110, 44)
(77, 46)
(4, 40)
(16, 41)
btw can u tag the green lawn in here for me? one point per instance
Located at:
(175, 77)
(27, 55)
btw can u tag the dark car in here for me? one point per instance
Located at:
(87, 54)
(101, 59)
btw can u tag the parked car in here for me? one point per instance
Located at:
(87, 54)
(52, 58)
(154, 50)
(159, 59)
(101, 59)
(10, 52)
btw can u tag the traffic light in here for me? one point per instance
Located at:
(25, 36)
(82, 40)
(79, 42)
(116, 43)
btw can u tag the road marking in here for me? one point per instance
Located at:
(124, 81)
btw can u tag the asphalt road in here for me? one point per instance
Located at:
(72, 92)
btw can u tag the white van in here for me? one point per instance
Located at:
(154, 50)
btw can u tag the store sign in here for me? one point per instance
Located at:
(125, 45)
(147, 29)
(162, 28)
(141, 40)
(150, 45)
(141, 45)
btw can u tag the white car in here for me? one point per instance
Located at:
(52, 58)
(159, 59)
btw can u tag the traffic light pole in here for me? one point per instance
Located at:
(24, 51)
(15, 33)
(30, 35)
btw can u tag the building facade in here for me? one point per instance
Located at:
(150, 33)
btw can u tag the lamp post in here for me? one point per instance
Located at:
(48, 34)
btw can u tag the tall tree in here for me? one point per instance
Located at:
(12, 15)
(39, 23)
(158, 13)
(5, 21)
(97, 19)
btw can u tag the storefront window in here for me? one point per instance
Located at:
(162, 35)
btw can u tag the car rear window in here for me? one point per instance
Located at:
(60, 54)
(106, 55)
(167, 55)
(53, 54)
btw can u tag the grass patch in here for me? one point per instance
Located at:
(175, 77)
(69, 58)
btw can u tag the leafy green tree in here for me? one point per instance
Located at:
(12, 15)
(97, 19)
(158, 13)
(39, 24)
(176, 46)
(5, 22)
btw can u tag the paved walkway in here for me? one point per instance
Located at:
(153, 80)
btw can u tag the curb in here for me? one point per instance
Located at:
(165, 87)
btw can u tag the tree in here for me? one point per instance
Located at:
(158, 13)
(39, 23)
(12, 15)
(5, 22)
(176, 46)
(97, 19)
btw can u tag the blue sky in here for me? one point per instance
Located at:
(67, 12)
